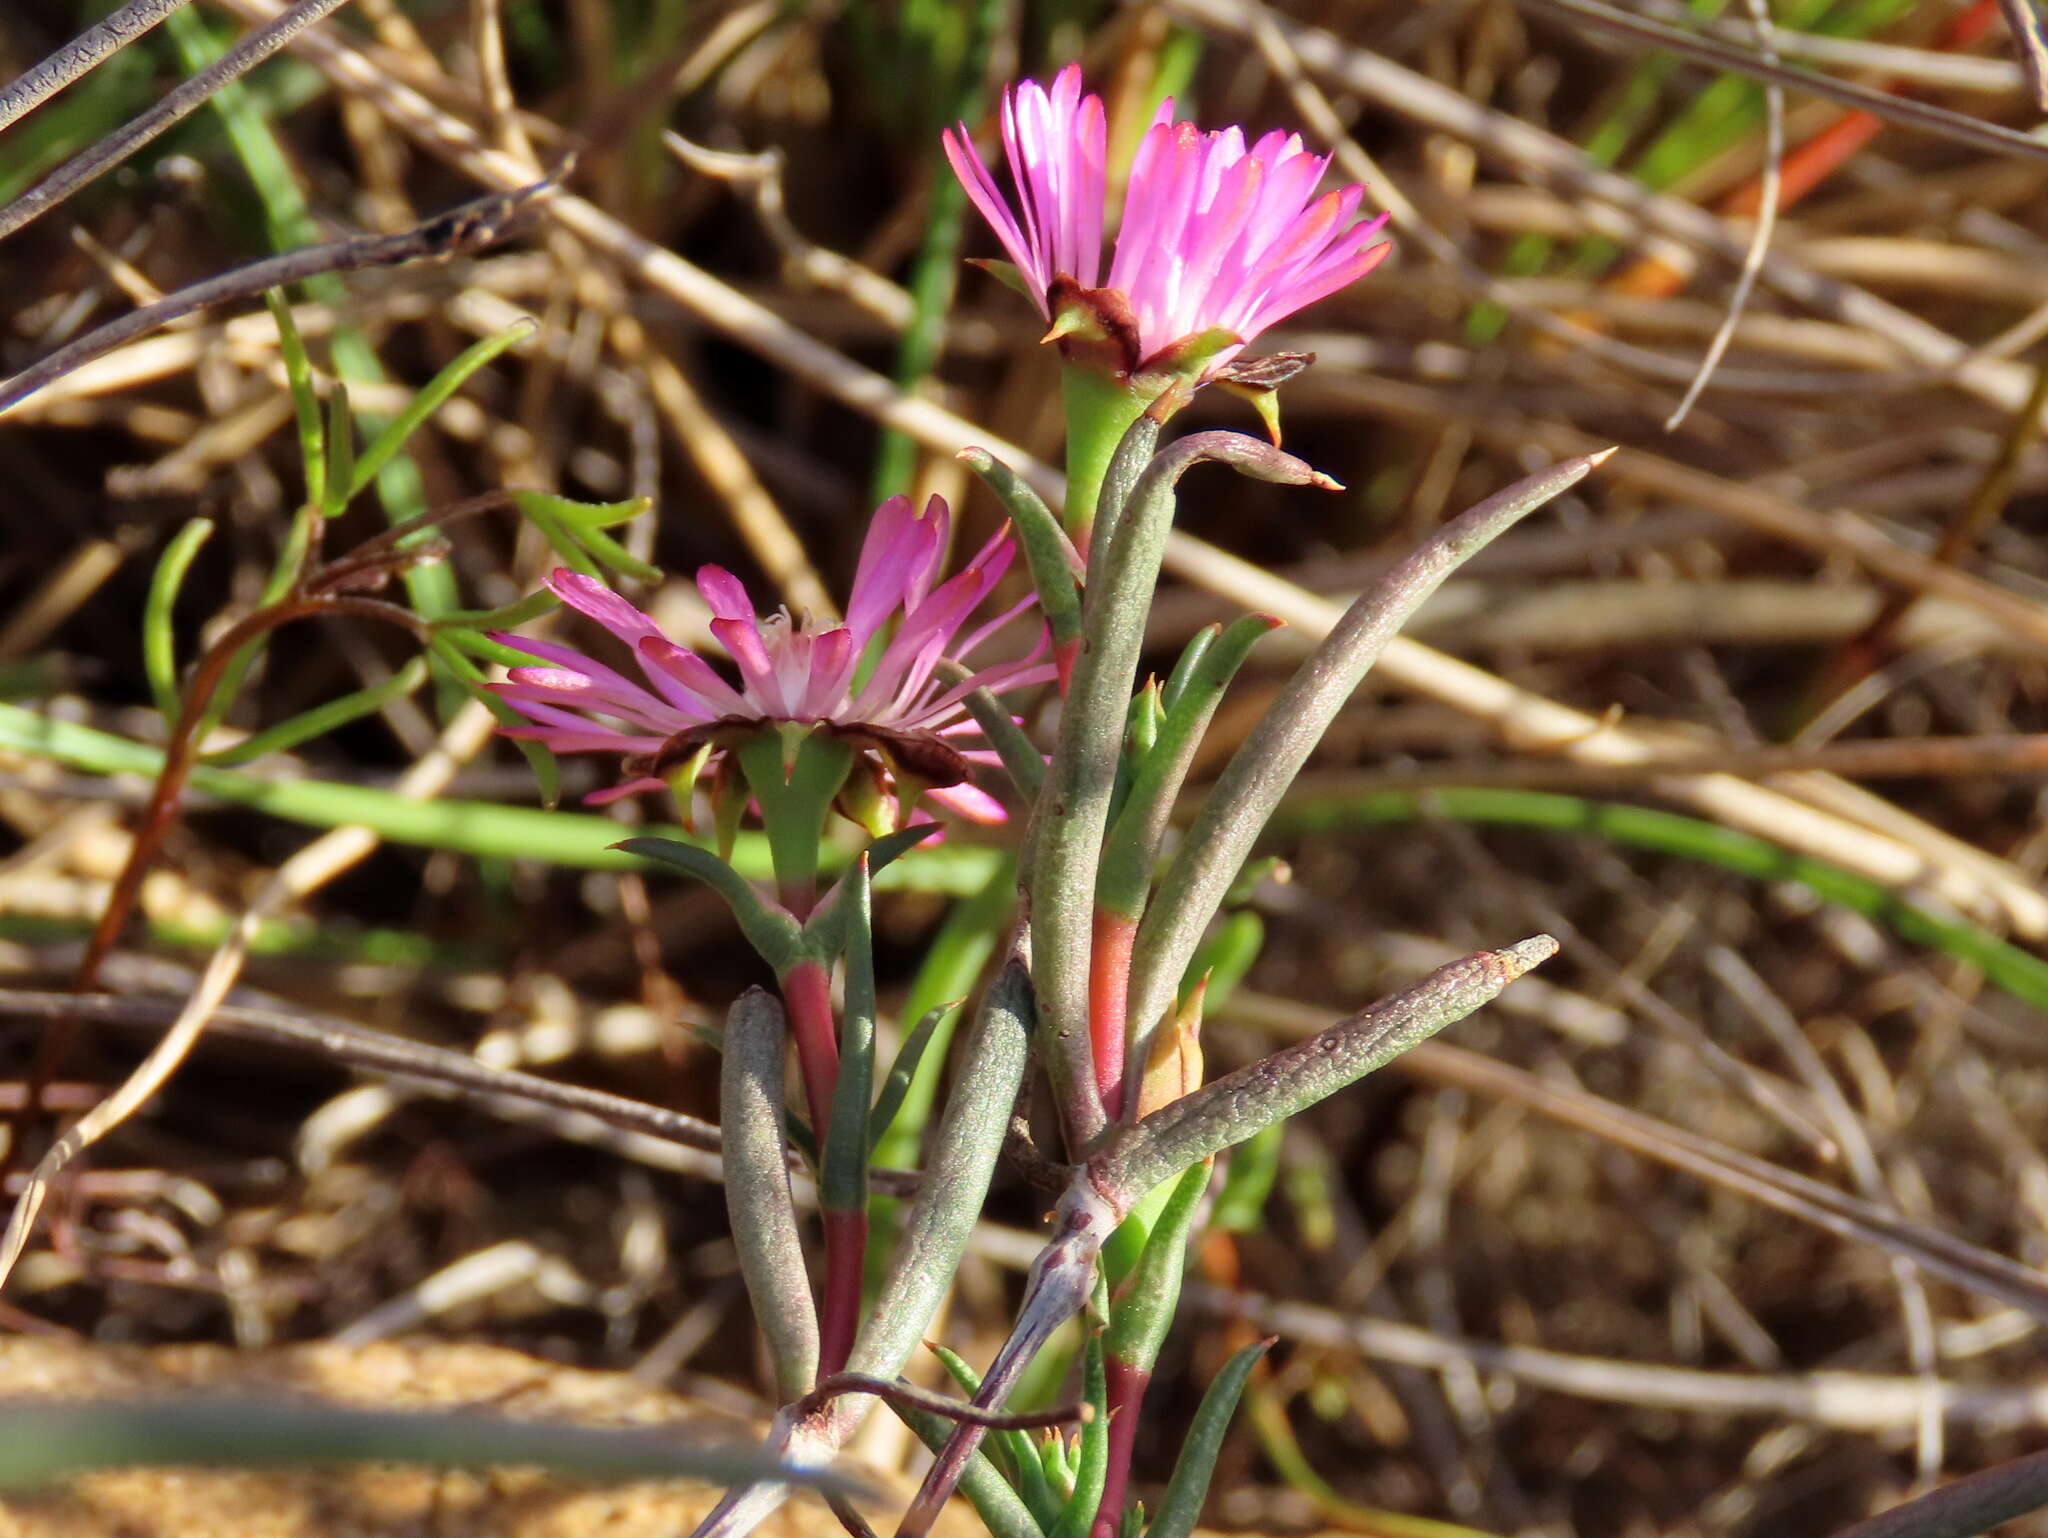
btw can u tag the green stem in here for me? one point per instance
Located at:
(2018, 972)
(1099, 412)
(481, 829)
(795, 793)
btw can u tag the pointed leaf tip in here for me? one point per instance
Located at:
(1527, 955)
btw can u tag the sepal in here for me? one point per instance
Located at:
(1009, 274)
(1188, 358)
(1258, 381)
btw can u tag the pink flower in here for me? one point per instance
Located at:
(789, 671)
(1215, 237)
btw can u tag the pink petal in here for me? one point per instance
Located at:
(613, 793)
(969, 801)
(725, 593)
(1056, 143)
(563, 740)
(690, 676)
(590, 597)
(900, 551)
(1218, 236)
(556, 686)
(564, 657)
(937, 522)
(742, 638)
(986, 196)
(967, 647)
(833, 660)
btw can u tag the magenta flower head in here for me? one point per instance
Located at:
(802, 713)
(1218, 241)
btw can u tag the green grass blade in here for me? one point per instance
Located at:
(298, 373)
(159, 641)
(952, 965)
(430, 398)
(902, 1070)
(322, 719)
(290, 222)
(486, 830)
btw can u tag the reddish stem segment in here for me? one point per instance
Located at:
(807, 990)
(1109, 983)
(1127, 1384)
(1063, 655)
(846, 1249)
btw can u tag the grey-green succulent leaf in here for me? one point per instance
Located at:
(1048, 553)
(1143, 1308)
(1183, 1132)
(1263, 768)
(757, 1194)
(902, 1071)
(1074, 807)
(1132, 846)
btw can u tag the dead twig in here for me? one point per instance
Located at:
(369, 1051)
(78, 56)
(1766, 221)
(470, 227)
(180, 103)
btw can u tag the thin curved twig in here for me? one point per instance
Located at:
(1766, 221)
(468, 227)
(894, 1391)
(79, 55)
(2030, 42)
(1893, 108)
(370, 1051)
(180, 103)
